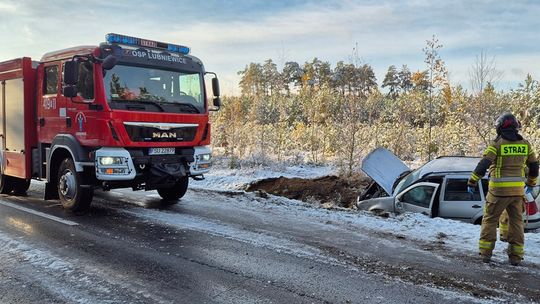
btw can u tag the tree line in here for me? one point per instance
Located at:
(317, 113)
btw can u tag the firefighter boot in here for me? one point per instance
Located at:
(515, 254)
(514, 260)
(485, 258)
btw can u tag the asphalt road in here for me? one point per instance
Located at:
(225, 247)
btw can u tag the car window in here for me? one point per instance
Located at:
(419, 196)
(456, 190)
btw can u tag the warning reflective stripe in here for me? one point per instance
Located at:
(503, 226)
(475, 177)
(486, 245)
(490, 149)
(508, 179)
(506, 184)
(499, 165)
(517, 249)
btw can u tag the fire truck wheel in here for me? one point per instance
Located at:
(72, 196)
(20, 186)
(171, 195)
(6, 184)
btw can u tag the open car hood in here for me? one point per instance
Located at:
(384, 168)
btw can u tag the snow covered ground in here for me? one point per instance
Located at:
(457, 236)
(236, 179)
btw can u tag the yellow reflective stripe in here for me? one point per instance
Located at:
(508, 179)
(490, 149)
(499, 165)
(503, 226)
(506, 184)
(486, 245)
(517, 249)
(475, 177)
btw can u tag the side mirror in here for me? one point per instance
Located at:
(69, 91)
(71, 73)
(215, 86)
(215, 91)
(217, 102)
(109, 62)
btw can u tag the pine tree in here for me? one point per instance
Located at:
(391, 80)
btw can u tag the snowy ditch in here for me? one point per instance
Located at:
(457, 236)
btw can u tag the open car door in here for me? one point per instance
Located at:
(384, 168)
(417, 198)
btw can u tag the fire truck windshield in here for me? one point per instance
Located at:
(154, 90)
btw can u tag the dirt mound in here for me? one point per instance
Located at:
(328, 190)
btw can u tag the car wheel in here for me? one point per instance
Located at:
(173, 194)
(72, 196)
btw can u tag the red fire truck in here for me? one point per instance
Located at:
(127, 113)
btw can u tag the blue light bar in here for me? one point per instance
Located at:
(128, 40)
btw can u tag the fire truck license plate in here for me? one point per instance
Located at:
(160, 151)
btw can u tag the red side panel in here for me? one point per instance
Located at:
(17, 116)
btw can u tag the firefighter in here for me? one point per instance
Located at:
(506, 158)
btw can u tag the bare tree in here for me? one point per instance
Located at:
(438, 77)
(483, 72)
(483, 104)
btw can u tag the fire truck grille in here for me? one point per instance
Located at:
(149, 134)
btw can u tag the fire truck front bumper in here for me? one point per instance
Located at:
(114, 164)
(119, 164)
(202, 161)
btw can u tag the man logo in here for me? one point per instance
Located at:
(163, 134)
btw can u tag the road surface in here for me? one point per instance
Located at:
(229, 247)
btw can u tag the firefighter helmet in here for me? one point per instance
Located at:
(507, 121)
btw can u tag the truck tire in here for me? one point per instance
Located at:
(6, 184)
(20, 186)
(72, 196)
(173, 194)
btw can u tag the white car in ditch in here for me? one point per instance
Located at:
(436, 189)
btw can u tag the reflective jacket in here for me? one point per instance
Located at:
(507, 161)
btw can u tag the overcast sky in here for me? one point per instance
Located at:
(227, 34)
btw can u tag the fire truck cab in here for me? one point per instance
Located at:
(127, 113)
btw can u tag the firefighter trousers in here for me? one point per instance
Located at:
(503, 226)
(494, 207)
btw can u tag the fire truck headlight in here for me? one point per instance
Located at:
(111, 160)
(206, 157)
